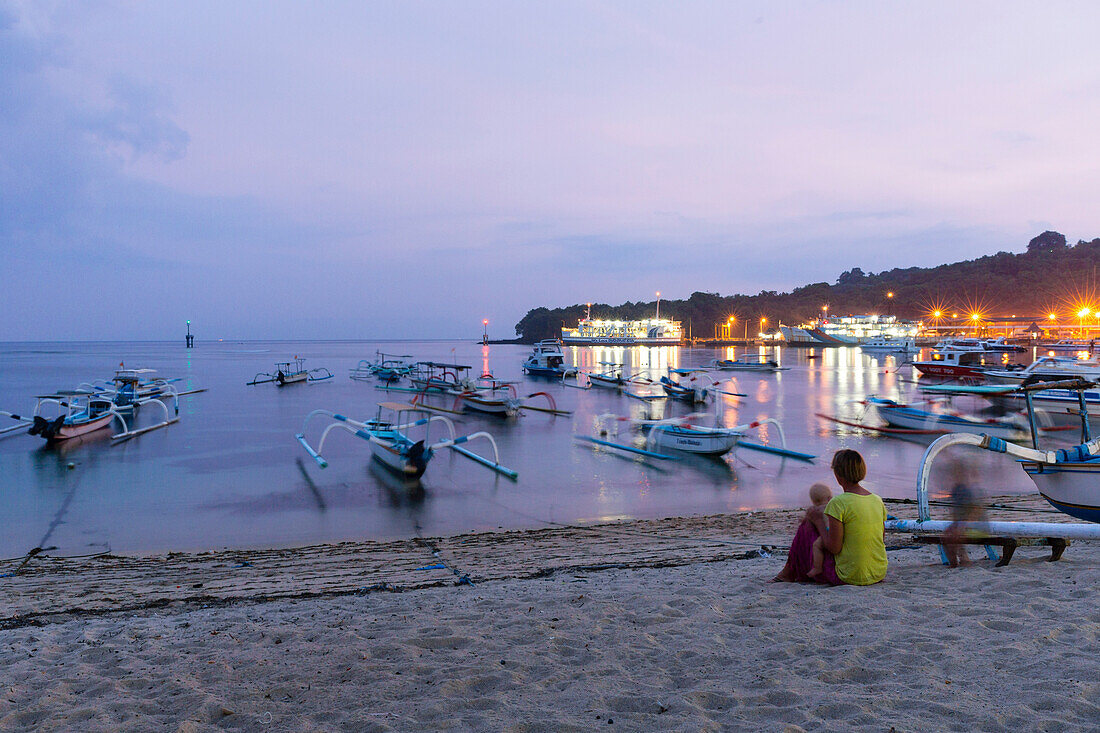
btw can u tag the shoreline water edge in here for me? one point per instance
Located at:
(646, 624)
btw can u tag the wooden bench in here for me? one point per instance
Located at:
(1008, 545)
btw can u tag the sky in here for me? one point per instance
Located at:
(292, 170)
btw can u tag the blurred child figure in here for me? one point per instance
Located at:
(820, 494)
(965, 508)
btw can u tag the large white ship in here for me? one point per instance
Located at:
(648, 332)
(848, 330)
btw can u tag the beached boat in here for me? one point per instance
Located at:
(291, 372)
(1069, 479)
(393, 443)
(747, 363)
(547, 360)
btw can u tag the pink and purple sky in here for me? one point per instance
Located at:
(405, 169)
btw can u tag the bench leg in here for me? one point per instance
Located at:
(1006, 555)
(1057, 547)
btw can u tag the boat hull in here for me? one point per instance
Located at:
(693, 441)
(396, 461)
(938, 369)
(69, 431)
(908, 418)
(1071, 488)
(598, 380)
(285, 379)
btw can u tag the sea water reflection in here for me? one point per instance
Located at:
(230, 473)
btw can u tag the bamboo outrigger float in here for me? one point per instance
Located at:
(391, 444)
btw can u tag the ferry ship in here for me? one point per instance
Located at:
(648, 332)
(848, 330)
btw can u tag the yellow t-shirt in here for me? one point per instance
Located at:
(862, 557)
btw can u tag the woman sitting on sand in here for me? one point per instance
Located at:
(851, 531)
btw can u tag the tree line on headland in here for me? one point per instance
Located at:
(1049, 277)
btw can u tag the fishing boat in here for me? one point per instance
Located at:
(890, 344)
(394, 445)
(610, 378)
(955, 361)
(747, 363)
(434, 376)
(917, 420)
(546, 360)
(291, 372)
(491, 396)
(1044, 369)
(385, 368)
(1069, 479)
(82, 412)
(694, 391)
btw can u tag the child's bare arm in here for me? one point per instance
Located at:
(816, 516)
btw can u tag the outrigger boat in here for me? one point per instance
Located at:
(696, 389)
(391, 443)
(1069, 479)
(437, 376)
(131, 387)
(491, 396)
(84, 411)
(610, 378)
(292, 372)
(916, 420)
(747, 363)
(686, 434)
(547, 360)
(388, 368)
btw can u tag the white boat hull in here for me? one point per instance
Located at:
(1072, 488)
(65, 432)
(691, 441)
(392, 459)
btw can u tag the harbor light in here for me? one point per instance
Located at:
(1051, 316)
(975, 317)
(937, 314)
(1083, 313)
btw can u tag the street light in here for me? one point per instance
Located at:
(659, 305)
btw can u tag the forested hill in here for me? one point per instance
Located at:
(1049, 276)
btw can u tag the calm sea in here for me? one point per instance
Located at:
(230, 473)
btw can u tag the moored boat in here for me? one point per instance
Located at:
(955, 361)
(546, 360)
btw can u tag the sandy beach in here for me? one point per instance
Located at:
(646, 625)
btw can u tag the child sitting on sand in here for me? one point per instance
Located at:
(815, 515)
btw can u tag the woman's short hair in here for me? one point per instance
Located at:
(848, 466)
